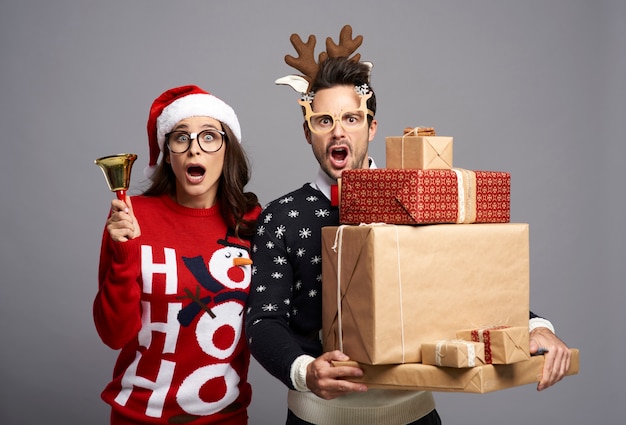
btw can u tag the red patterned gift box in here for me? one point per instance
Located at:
(411, 196)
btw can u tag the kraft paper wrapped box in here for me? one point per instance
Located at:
(424, 196)
(453, 353)
(479, 379)
(503, 344)
(387, 289)
(419, 152)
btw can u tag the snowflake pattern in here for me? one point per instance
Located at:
(280, 260)
(260, 230)
(322, 213)
(308, 96)
(363, 89)
(289, 263)
(269, 307)
(280, 231)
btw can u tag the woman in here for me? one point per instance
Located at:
(175, 271)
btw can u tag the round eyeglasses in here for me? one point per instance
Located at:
(209, 140)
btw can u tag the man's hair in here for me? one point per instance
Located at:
(341, 71)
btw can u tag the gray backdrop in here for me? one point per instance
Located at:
(536, 88)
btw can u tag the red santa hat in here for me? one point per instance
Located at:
(177, 104)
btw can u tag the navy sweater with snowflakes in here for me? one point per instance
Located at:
(284, 309)
(284, 317)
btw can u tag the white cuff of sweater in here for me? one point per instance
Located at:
(540, 322)
(298, 372)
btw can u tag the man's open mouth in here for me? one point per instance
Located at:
(339, 154)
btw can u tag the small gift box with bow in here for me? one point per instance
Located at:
(419, 148)
(503, 344)
(453, 353)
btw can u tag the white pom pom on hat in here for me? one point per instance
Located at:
(177, 104)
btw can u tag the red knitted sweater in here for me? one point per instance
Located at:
(172, 300)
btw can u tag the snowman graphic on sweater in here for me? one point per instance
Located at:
(219, 328)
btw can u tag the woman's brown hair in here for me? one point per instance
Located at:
(234, 202)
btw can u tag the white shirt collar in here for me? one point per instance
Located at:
(323, 182)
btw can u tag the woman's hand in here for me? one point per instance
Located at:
(122, 224)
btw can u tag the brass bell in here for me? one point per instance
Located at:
(116, 170)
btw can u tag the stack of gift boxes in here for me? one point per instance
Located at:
(426, 281)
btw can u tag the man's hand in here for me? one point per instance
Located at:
(325, 380)
(557, 357)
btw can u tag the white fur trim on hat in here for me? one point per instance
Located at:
(196, 105)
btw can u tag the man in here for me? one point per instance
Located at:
(284, 314)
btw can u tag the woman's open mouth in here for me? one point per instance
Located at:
(195, 173)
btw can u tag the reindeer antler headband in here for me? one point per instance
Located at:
(305, 62)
